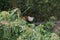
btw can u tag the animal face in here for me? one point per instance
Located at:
(30, 18)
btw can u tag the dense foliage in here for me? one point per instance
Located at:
(43, 8)
(13, 27)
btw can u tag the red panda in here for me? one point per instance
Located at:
(28, 18)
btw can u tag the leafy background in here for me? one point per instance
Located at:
(13, 27)
(46, 8)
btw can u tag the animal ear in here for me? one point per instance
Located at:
(24, 18)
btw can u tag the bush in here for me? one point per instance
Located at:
(13, 27)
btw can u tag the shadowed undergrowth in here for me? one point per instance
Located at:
(13, 27)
